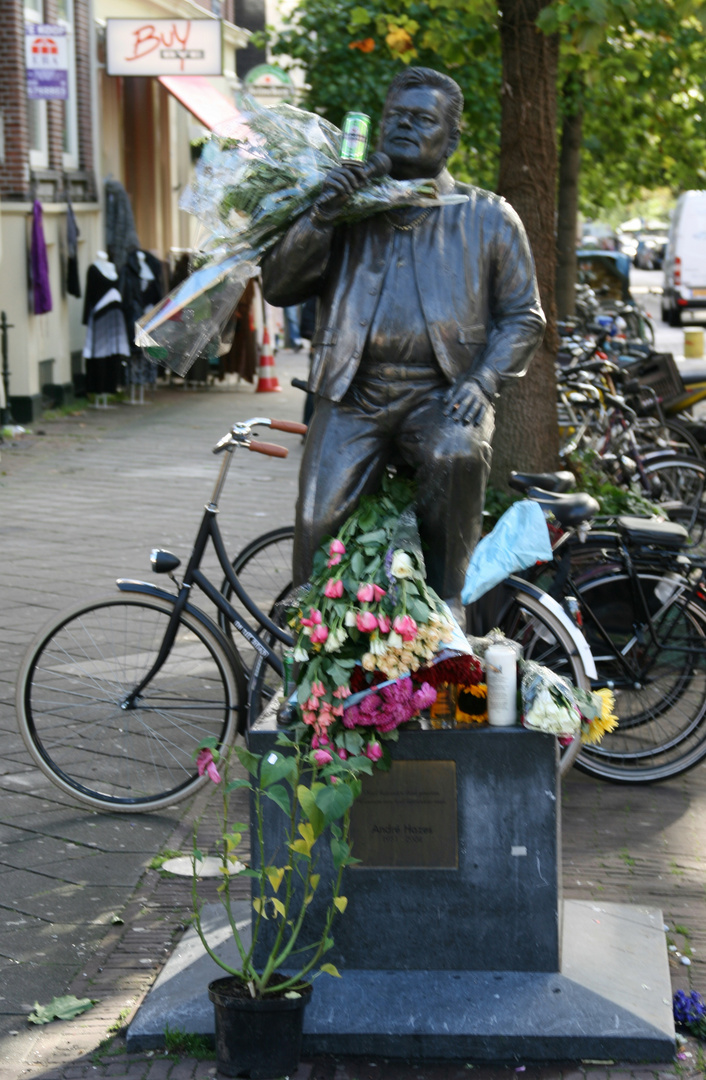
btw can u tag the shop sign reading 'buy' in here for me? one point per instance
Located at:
(46, 61)
(164, 47)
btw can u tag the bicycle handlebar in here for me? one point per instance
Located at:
(271, 449)
(288, 425)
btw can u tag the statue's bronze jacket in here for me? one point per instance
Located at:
(475, 276)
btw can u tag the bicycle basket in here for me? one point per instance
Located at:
(660, 372)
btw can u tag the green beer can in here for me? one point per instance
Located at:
(354, 143)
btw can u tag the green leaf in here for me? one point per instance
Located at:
(357, 564)
(303, 691)
(60, 1008)
(333, 800)
(247, 760)
(353, 742)
(235, 785)
(276, 766)
(279, 795)
(359, 16)
(340, 851)
(331, 969)
(372, 539)
(307, 801)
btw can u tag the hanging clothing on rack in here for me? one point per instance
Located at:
(120, 232)
(73, 284)
(106, 347)
(141, 286)
(39, 263)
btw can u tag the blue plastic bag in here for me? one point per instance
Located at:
(519, 540)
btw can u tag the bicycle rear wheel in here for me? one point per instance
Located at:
(661, 697)
(264, 566)
(72, 693)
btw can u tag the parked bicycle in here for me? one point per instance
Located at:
(114, 695)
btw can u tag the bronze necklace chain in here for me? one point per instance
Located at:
(410, 225)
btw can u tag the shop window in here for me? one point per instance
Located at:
(37, 110)
(65, 18)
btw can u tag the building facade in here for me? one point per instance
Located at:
(137, 130)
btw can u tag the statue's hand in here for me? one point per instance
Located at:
(466, 402)
(340, 184)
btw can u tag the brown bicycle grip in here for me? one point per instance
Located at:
(288, 425)
(271, 449)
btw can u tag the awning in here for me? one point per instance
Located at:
(210, 107)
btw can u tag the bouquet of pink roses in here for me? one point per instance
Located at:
(367, 606)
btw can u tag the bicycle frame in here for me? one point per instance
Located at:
(193, 575)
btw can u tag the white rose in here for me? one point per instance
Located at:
(394, 640)
(300, 656)
(378, 647)
(349, 618)
(402, 566)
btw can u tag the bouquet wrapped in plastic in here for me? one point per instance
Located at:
(553, 704)
(252, 181)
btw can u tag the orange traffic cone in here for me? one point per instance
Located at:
(266, 376)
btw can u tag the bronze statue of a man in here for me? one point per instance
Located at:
(423, 312)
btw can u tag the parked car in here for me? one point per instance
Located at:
(684, 295)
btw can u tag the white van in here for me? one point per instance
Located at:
(684, 297)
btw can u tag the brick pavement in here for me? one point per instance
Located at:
(84, 504)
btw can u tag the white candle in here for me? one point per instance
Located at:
(501, 677)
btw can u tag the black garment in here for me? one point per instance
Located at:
(73, 285)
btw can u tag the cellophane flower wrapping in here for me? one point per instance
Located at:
(552, 704)
(369, 630)
(253, 179)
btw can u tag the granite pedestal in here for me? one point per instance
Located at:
(452, 945)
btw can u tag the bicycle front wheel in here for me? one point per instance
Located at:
(74, 715)
(264, 567)
(546, 640)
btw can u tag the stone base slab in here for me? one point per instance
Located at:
(612, 999)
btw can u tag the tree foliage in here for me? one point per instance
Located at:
(642, 66)
(350, 51)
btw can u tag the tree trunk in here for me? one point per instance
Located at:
(568, 207)
(527, 433)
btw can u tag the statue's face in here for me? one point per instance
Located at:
(415, 132)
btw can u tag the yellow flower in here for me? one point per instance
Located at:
(607, 721)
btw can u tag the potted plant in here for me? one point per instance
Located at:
(259, 1005)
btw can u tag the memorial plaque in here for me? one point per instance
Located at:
(406, 818)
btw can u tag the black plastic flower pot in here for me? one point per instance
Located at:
(258, 1038)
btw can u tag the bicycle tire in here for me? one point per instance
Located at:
(264, 566)
(77, 672)
(662, 712)
(545, 640)
(676, 480)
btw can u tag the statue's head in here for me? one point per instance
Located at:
(420, 122)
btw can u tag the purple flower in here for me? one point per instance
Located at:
(688, 1008)
(370, 704)
(425, 696)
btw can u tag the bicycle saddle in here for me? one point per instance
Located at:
(549, 481)
(648, 531)
(569, 510)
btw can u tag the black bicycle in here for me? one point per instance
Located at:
(114, 695)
